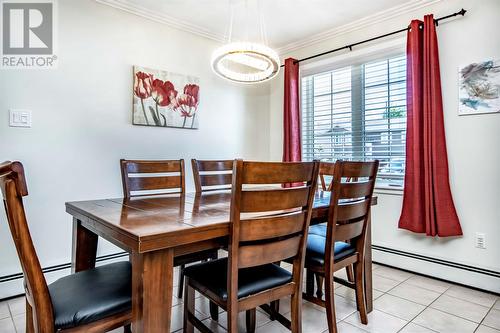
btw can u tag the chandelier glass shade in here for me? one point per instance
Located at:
(245, 62)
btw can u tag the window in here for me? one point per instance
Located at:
(358, 112)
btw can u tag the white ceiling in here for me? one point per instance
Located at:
(289, 23)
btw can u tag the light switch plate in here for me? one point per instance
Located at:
(19, 118)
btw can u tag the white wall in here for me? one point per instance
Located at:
(472, 141)
(82, 119)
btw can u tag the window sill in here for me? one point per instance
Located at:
(390, 190)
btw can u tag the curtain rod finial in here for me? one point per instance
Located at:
(462, 12)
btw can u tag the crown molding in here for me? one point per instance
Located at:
(163, 18)
(362, 23)
(359, 24)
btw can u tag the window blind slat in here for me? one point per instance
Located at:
(359, 113)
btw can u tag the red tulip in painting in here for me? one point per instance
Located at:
(142, 88)
(187, 103)
(157, 101)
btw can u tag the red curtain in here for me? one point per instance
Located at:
(427, 203)
(291, 117)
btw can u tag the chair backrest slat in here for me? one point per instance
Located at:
(276, 173)
(140, 177)
(145, 166)
(13, 187)
(348, 231)
(355, 189)
(261, 254)
(154, 183)
(219, 179)
(352, 210)
(272, 226)
(358, 169)
(220, 165)
(212, 175)
(275, 199)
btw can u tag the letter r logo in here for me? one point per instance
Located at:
(27, 28)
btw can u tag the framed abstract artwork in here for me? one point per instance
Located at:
(165, 99)
(479, 88)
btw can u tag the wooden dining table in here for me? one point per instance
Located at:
(156, 229)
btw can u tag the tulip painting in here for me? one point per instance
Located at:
(165, 99)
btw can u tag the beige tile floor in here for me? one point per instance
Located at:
(404, 302)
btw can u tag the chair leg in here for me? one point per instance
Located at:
(30, 328)
(250, 320)
(309, 282)
(330, 303)
(350, 273)
(275, 309)
(319, 286)
(127, 329)
(360, 291)
(188, 307)
(214, 311)
(296, 307)
(181, 281)
(232, 320)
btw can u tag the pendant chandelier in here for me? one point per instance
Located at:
(246, 62)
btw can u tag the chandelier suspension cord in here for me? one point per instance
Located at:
(262, 27)
(247, 23)
(231, 19)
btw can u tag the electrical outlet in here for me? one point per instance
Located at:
(480, 240)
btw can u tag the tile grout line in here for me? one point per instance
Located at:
(447, 288)
(471, 289)
(427, 328)
(452, 314)
(11, 316)
(487, 313)
(345, 322)
(383, 293)
(408, 320)
(426, 306)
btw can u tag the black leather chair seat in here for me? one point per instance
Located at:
(91, 295)
(315, 253)
(213, 276)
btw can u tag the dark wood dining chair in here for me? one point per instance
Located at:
(212, 175)
(268, 224)
(95, 300)
(326, 173)
(145, 177)
(343, 243)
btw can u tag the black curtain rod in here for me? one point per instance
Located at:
(350, 46)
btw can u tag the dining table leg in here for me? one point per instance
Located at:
(84, 249)
(152, 287)
(368, 267)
